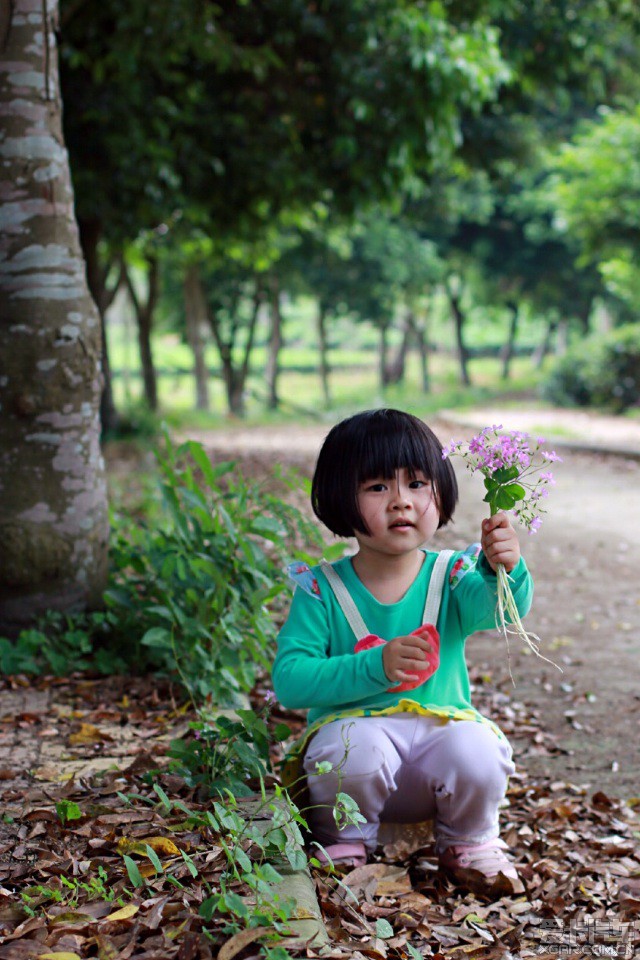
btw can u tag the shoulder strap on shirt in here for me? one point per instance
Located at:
(434, 594)
(345, 600)
(353, 615)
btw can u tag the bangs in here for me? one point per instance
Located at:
(392, 446)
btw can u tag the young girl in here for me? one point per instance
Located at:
(388, 695)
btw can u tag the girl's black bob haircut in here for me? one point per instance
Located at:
(376, 443)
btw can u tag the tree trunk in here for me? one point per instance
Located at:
(384, 354)
(544, 346)
(53, 503)
(272, 372)
(562, 339)
(235, 378)
(458, 319)
(321, 324)
(195, 312)
(420, 335)
(509, 347)
(97, 279)
(144, 315)
(396, 369)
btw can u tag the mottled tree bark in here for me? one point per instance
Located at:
(53, 506)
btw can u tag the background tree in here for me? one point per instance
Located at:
(597, 190)
(231, 116)
(53, 513)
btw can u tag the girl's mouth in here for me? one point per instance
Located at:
(400, 524)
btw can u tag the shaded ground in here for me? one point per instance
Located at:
(576, 739)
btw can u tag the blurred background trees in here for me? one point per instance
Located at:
(255, 178)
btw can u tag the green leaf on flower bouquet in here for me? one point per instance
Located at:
(504, 474)
(516, 491)
(490, 483)
(503, 499)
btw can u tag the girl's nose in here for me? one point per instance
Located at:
(401, 496)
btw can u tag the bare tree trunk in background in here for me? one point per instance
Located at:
(103, 297)
(195, 314)
(243, 372)
(144, 312)
(272, 371)
(420, 335)
(545, 345)
(396, 368)
(509, 347)
(53, 502)
(235, 378)
(325, 370)
(458, 320)
(383, 359)
(562, 338)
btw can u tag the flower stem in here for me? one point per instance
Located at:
(508, 621)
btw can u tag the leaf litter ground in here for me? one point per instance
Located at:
(66, 890)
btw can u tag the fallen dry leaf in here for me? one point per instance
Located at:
(241, 940)
(125, 913)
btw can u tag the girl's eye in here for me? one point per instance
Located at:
(418, 484)
(376, 487)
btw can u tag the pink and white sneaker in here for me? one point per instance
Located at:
(482, 867)
(346, 855)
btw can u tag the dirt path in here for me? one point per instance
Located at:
(585, 563)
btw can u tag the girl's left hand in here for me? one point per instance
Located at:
(500, 542)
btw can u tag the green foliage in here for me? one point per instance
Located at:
(225, 752)
(337, 102)
(68, 810)
(194, 590)
(601, 371)
(191, 587)
(64, 642)
(69, 891)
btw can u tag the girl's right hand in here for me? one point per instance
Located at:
(403, 657)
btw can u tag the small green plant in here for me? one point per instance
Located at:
(225, 752)
(68, 810)
(198, 588)
(39, 896)
(69, 892)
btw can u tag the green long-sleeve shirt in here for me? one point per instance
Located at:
(316, 667)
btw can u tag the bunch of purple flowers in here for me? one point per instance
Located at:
(515, 478)
(513, 468)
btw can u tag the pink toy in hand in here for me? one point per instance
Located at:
(429, 632)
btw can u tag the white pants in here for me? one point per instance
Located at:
(406, 768)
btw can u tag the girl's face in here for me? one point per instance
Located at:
(401, 512)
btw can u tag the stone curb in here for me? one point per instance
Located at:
(308, 926)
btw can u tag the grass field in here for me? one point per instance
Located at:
(354, 381)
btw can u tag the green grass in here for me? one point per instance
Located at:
(354, 380)
(351, 390)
